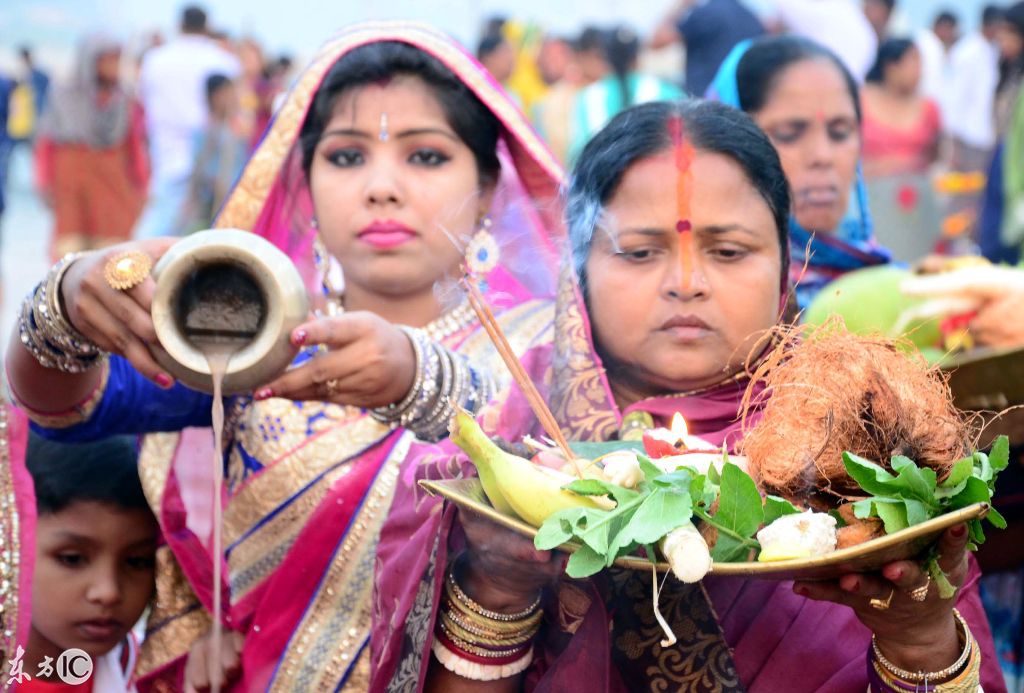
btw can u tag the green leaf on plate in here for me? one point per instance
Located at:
(775, 507)
(584, 562)
(869, 476)
(739, 505)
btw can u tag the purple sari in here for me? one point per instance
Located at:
(600, 634)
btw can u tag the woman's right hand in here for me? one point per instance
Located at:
(202, 670)
(116, 321)
(504, 571)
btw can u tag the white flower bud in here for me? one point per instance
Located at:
(687, 553)
(622, 468)
(799, 535)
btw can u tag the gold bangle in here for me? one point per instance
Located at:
(922, 676)
(464, 599)
(476, 649)
(483, 629)
(477, 638)
(501, 627)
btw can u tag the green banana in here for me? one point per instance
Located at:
(515, 485)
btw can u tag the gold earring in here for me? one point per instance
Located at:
(482, 252)
(330, 274)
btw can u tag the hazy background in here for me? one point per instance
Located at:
(299, 26)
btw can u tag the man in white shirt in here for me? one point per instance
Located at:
(935, 45)
(839, 25)
(172, 87)
(974, 75)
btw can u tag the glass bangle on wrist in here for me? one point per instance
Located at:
(480, 644)
(444, 381)
(48, 335)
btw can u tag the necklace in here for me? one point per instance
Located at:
(451, 322)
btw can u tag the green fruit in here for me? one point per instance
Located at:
(870, 301)
(515, 485)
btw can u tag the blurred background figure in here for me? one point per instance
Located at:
(592, 55)
(935, 44)
(91, 164)
(879, 14)
(974, 76)
(625, 86)
(30, 96)
(901, 127)
(220, 155)
(495, 53)
(250, 57)
(1001, 230)
(6, 87)
(708, 30)
(172, 86)
(23, 105)
(901, 132)
(839, 25)
(969, 123)
(552, 115)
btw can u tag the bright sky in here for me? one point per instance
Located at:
(298, 27)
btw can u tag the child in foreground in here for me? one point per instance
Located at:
(94, 563)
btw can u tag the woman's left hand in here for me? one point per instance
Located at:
(368, 362)
(914, 635)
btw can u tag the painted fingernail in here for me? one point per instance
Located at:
(802, 591)
(854, 586)
(263, 393)
(163, 380)
(894, 574)
(958, 531)
(299, 337)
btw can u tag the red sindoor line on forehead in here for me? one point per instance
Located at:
(683, 153)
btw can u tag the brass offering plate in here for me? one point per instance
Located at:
(986, 378)
(468, 495)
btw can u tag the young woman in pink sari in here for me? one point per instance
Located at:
(707, 300)
(408, 161)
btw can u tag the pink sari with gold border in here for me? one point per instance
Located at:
(308, 484)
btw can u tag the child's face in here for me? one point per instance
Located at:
(93, 576)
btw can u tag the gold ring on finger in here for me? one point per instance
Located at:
(882, 604)
(919, 594)
(332, 387)
(126, 270)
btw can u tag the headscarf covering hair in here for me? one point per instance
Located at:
(74, 115)
(825, 255)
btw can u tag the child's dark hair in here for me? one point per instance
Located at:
(105, 471)
(643, 131)
(378, 62)
(213, 84)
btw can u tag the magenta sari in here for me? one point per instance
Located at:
(17, 537)
(308, 484)
(600, 634)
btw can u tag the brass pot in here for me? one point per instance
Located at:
(227, 286)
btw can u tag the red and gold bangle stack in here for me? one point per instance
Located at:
(963, 676)
(479, 644)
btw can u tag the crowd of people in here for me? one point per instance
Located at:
(550, 168)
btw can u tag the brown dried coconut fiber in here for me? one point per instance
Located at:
(831, 391)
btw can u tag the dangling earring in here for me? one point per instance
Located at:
(482, 253)
(331, 279)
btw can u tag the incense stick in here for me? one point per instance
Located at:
(533, 397)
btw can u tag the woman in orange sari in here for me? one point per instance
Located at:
(91, 164)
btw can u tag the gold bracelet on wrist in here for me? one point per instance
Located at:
(935, 676)
(464, 599)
